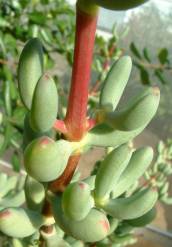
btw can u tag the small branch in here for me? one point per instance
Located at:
(154, 66)
(95, 87)
(105, 68)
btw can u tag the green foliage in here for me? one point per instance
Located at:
(20, 21)
(56, 25)
(161, 170)
(145, 65)
(163, 56)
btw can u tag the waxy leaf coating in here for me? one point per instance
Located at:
(143, 220)
(77, 201)
(44, 104)
(132, 207)
(110, 170)
(138, 164)
(115, 83)
(13, 200)
(138, 113)
(93, 228)
(29, 134)
(30, 70)
(45, 159)
(19, 222)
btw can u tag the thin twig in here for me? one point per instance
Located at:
(154, 66)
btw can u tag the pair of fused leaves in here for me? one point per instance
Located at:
(37, 90)
(117, 127)
(39, 94)
(116, 174)
(94, 227)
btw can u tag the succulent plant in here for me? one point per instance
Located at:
(61, 209)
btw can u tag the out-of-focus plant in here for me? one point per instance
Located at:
(144, 62)
(160, 171)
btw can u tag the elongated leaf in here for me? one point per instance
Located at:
(163, 56)
(135, 50)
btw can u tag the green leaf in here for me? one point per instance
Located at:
(159, 75)
(163, 56)
(38, 17)
(135, 50)
(15, 162)
(144, 76)
(146, 54)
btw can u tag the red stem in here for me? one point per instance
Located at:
(90, 123)
(77, 104)
(60, 184)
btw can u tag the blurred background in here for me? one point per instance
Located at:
(145, 33)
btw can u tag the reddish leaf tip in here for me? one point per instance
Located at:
(4, 214)
(105, 224)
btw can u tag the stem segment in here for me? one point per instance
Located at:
(60, 184)
(77, 104)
